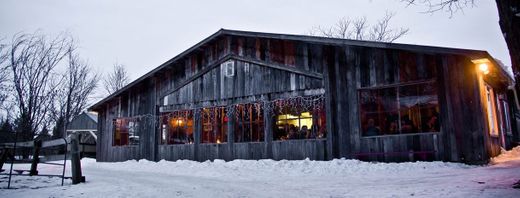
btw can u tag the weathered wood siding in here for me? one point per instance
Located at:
(267, 68)
(137, 101)
(176, 152)
(249, 80)
(351, 68)
(264, 69)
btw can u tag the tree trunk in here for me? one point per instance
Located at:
(509, 15)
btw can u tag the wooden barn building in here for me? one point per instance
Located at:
(85, 126)
(251, 95)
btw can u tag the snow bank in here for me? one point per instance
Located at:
(507, 156)
(270, 178)
(269, 167)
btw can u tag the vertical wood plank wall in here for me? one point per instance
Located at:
(458, 96)
(269, 69)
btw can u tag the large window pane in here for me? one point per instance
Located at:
(399, 110)
(125, 132)
(214, 125)
(177, 127)
(249, 123)
(299, 119)
(418, 108)
(378, 111)
(491, 110)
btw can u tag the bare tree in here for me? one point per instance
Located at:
(450, 6)
(32, 59)
(360, 29)
(3, 73)
(79, 82)
(117, 79)
(381, 31)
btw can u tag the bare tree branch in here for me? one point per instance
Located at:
(3, 73)
(117, 79)
(451, 6)
(32, 60)
(73, 93)
(381, 31)
(360, 29)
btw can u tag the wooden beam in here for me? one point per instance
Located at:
(280, 67)
(248, 60)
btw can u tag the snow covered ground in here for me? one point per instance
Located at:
(268, 178)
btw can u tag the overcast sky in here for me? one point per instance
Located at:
(144, 34)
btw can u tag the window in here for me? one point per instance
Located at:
(177, 127)
(399, 109)
(506, 126)
(125, 132)
(214, 125)
(299, 119)
(249, 123)
(229, 68)
(491, 110)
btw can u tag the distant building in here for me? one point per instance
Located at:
(85, 125)
(252, 95)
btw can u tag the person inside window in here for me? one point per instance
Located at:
(292, 133)
(303, 132)
(311, 134)
(392, 127)
(407, 125)
(372, 129)
(432, 122)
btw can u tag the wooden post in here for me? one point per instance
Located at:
(197, 125)
(3, 158)
(36, 157)
(268, 133)
(75, 160)
(230, 132)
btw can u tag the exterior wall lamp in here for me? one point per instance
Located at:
(482, 65)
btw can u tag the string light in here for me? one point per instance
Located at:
(297, 104)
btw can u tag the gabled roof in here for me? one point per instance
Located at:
(92, 116)
(85, 120)
(474, 54)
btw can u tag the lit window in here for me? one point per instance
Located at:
(177, 127)
(399, 109)
(249, 123)
(491, 110)
(301, 120)
(125, 132)
(214, 125)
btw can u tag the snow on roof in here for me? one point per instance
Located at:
(92, 115)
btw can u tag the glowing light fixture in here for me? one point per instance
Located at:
(482, 65)
(484, 68)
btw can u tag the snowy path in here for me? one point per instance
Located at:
(268, 178)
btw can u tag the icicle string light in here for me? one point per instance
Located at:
(279, 106)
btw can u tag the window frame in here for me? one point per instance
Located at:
(491, 110)
(240, 122)
(165, 128)
(127, 129)
(222, 124)
(316, 115)
(398, 108)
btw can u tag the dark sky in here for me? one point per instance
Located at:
(144, 34)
